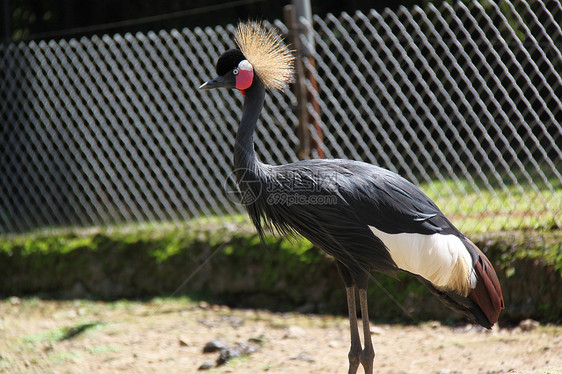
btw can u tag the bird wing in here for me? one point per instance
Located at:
(390, 203)
(376, 196)
(406, 230)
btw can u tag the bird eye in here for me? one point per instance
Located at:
(235, 71)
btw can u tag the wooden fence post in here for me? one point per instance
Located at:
(304, 21)
(303, 133)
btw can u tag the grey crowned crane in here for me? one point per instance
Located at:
(367, 218)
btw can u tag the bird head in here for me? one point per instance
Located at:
(261, 54)
(234, 71)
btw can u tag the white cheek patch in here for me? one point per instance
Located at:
(245, 65)
(441, 259)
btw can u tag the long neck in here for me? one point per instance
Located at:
(245, 161)
(250, 172)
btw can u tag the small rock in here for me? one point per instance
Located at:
(228, 354)
(375, 330)
(294, 332)
(430, 324)
(204, 305)
(213, 346)
(303, 357)
(14, 300)
(234, 321)
(528, 325)
(260, 340)
(248, 348)
(208, 323)
(435, 324)
(334, 343)
(206, 365)
(183, 341)
(239, 350)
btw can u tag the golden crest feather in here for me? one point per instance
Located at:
(264, 49)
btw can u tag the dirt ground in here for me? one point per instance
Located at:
(167, 336)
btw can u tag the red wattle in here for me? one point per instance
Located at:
(244, 79)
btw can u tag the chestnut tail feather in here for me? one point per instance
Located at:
(484, 302)
(487, 294)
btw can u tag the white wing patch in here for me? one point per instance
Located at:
(441, 259)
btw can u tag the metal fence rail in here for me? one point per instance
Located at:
(113, 129)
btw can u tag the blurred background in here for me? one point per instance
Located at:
(102, 122)
(31, 19)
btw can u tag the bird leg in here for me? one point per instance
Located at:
(367, 356)
(355, 349)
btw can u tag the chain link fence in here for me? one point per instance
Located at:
(463, 99)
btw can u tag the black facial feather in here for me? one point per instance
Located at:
(229, 60)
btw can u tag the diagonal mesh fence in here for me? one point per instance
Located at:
(463, 100)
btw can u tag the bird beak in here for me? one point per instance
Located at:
(227, 81)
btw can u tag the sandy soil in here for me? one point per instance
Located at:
(167, 336)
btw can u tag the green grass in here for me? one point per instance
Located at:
(203, 258)
(61, 357)
(481, 209)
(45, 336)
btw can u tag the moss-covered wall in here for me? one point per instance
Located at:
(228, 263)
